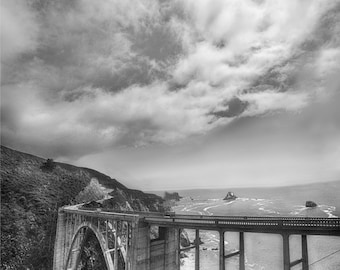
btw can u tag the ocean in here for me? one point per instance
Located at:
(263, 251)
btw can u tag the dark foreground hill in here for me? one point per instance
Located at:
(32, 190)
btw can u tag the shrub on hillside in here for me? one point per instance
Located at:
(49, 165)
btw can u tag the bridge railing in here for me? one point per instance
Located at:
(103, 214)
(171, 217)
(115, 211)
(202, 217)
(268, 222)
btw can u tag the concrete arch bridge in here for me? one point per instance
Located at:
(124, 237)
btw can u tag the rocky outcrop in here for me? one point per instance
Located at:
(172, 196)
(230, 196)
(311, 204)
(184, 239)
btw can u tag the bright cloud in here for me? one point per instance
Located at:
(81, 76)
(19, 29)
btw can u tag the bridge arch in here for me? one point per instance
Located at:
(77, 244)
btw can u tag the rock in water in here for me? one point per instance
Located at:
(311, 204)
(230, 196)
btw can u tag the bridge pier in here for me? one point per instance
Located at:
(241, 259)
(140, 246)
(59, 246)
(222, 251)
(197, 250)
(304, 252)
(115, 257)
(286, 253)
(171, 249)
(239, 253)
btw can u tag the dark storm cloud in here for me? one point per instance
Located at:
(235, 107)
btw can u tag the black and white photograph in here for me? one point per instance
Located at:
(170, 134)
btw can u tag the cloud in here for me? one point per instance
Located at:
(19, 29)
(262, 102)
(83, 76)
(98, 119)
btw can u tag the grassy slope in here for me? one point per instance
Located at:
(30, 197)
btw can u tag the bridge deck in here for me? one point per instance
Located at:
(297, 225)
(103, 214)
(291, 225)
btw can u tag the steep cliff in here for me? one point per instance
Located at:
(33, 188)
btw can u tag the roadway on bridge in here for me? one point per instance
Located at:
(291, 225)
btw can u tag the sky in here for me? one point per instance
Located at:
(173, 94)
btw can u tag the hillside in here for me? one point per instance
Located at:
(32, 190)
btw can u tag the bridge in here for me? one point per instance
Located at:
(125, 242)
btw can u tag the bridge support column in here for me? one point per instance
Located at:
(128, 246)
(197, 250)
(241, 259)
(171, 249)
(286, 254)
(222, 251)
(115, 257)
(304, 252)
(239, 253)
(179, 231)
(59, 246)
(164, 250)
(140, 246)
